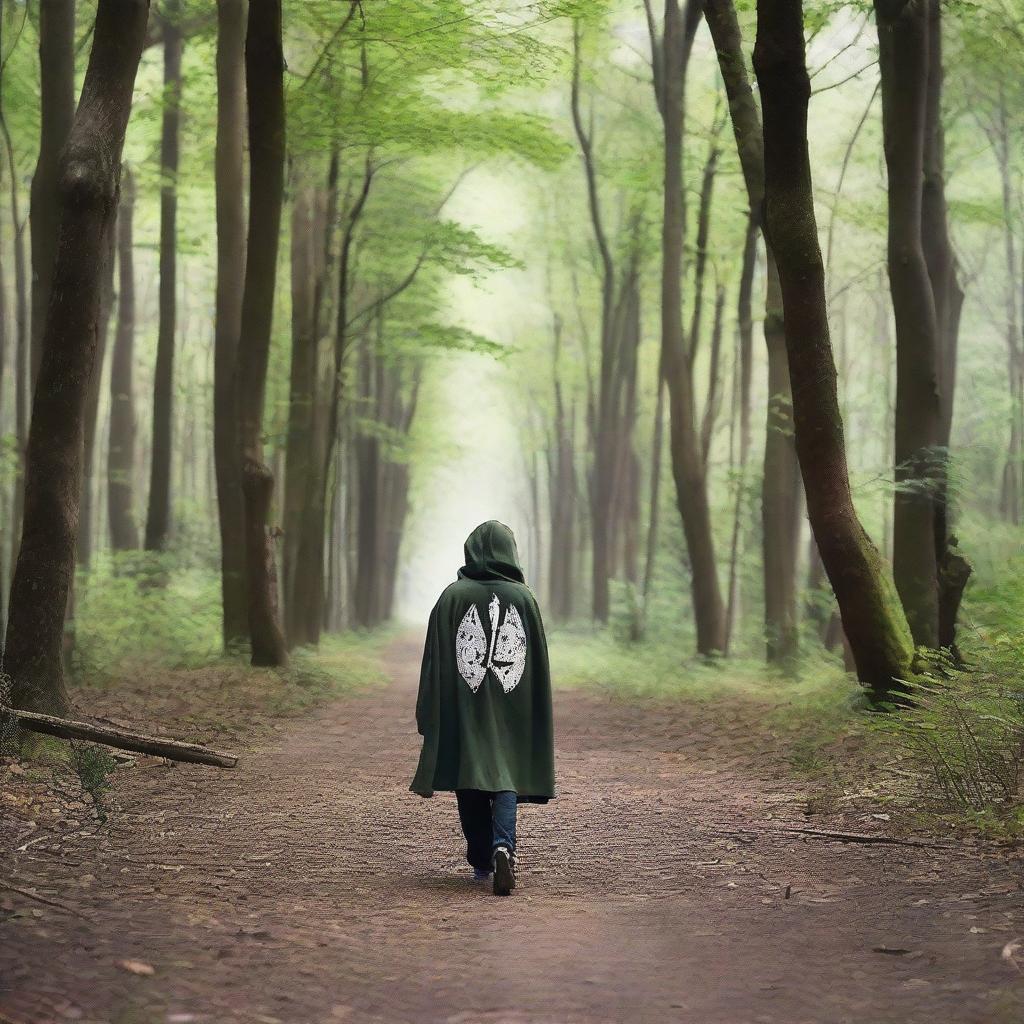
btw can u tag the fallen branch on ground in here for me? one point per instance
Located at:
(120, 738)
(44, 900)
(841, 837)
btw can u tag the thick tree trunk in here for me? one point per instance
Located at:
(124, 535)
(687, 467)
(56, 112)
(874, 623)
(903, 62)
(158, 517)
(92, 407)
(90, 168)
(230, 202)
(264, 79)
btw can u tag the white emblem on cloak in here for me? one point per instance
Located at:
(506, 655)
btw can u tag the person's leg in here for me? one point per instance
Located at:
(503, 820)
(475, 818)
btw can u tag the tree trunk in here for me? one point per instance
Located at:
(158, 518)
(780, 494)
(121, 450)
(745, 354)
(953, 567)
(687, 467)
(704, 205)
(90, 169)
(230, 202)
(301, 452)
(874, 623)
(56, 112)
(305, 516)
(264, 79)
(711, 406)
(903, 63)
(22, 343)
(92, 408)
(603, 438)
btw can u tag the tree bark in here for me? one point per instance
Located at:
(780, 488)
(687, 467)
(953, 568)
(158, 517)
(22, 342)
(92, 408)
(781, 491)
(602, 487)
(264, 79)
(124, 534)
(56, 112)
(90, 169)
(874, 623)
(230, 204)
(302, 456)
(903, 63)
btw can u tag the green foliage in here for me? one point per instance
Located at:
(964, 735)
(139, 609)
(93, 765)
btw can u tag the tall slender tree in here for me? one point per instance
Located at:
(903, 63)
(780, 490)
(158, 517)
(264, 82)
(873, 620)
(124, 535)
(90, 168)
(230, 203)
(672, 60)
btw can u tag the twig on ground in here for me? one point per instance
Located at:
(44, 900)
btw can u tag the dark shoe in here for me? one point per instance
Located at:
(504, 872)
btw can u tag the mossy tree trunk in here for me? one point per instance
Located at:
(873, 620)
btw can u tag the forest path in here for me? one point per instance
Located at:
(309, 885)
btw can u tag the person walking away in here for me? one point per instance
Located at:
(484, 702)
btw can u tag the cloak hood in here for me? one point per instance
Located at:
(491, 554)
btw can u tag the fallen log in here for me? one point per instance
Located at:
(66, 729)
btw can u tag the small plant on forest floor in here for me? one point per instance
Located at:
(93, 766)
(963, 738)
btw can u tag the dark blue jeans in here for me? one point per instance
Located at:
(488, 821)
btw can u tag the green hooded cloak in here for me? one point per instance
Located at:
(484, 704)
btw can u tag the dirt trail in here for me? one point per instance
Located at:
(310, 886)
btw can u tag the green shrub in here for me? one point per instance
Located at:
(963, 736)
